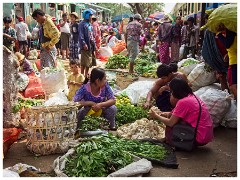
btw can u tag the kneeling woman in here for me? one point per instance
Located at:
(186, 110)
(97, 95)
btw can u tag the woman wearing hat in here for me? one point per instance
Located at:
(25, 65)
(111, 40)
(74, 46)
(164, 36)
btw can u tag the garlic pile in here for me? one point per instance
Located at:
(33, 55)
(142, 129)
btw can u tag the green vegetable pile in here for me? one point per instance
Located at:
(97, 157)
(26, 103)
(189, 61)
(92, 123)
(101, 155)
(127, 113)
(117, 61)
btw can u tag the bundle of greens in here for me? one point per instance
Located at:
(92, 123)
(101, 155)
(117, 61)
(26, 103)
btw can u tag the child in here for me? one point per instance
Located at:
(75, 80)
(143, 41)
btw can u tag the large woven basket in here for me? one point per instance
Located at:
(51, 128)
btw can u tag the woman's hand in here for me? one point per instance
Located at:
(97, 107)
(154, 114)
(147, 105)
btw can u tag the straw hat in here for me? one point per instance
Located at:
(20, 56)
(74, 14)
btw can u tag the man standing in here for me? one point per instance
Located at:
(132, 37)
(87, 42)
(190, 38)
(65, 36)
(49, 37)
(9, 33)
(22, 30)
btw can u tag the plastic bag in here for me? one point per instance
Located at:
(58, 98)
(53, 81)
(181, 51)
(227, 15)
(8, 173)
(106, 51)
(137, 90)
(230, 119)
(218, 103)
(34, 88)
(200, 76)
(22, 81)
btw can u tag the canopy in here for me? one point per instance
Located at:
(157, 15)
(121, 16)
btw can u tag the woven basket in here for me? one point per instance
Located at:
(50, 129)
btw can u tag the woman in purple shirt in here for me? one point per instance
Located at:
(97, 95)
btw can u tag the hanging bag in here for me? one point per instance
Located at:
(184, 135)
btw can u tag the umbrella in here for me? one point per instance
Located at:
(157, 15)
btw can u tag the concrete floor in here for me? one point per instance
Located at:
(219, 155)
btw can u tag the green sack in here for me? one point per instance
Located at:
(227, 15)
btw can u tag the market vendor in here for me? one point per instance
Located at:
(25, 65)
(186, 111)
(160, 90)
(97, 96)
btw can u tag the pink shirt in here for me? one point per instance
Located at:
(188, 109)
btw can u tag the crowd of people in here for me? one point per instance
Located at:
(80, 41)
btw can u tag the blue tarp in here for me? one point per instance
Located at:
(119, 17)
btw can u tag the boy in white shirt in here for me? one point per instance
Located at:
(111, 39)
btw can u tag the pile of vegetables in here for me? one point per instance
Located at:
(22, 81)
(33, 55)
(117, 61)
(101, 155)
(146, 68)
(123, 99)
(142, 129)
(150, 57)
(190, 61)
(127, 113)
(92, 123)
(26, 103)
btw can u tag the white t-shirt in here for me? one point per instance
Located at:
(21, 31)
(65, 28)
(112, 41)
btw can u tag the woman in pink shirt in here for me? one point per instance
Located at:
(186, 109)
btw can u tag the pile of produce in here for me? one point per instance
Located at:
(143, 100)
(126, 112)
(150, 57)
(26, 103)
(22, 81)
(101, 155)
(190, 61)
(92, 123)
(33, 55)
(117, 61)
(142, 129)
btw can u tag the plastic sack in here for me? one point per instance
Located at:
(8, 173)
(58, 98)
(60, 162)
(218, 103)
(226, 14)
(137, 90)
(124, 52)
(230, 119)
(200, 76)
(106, 51)
(22, 81)
(181, 51)
(18, 168)
(187, 65)
(202, 90)
(35, 33)
(34, 88)
(53, 81)
(10, 135)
